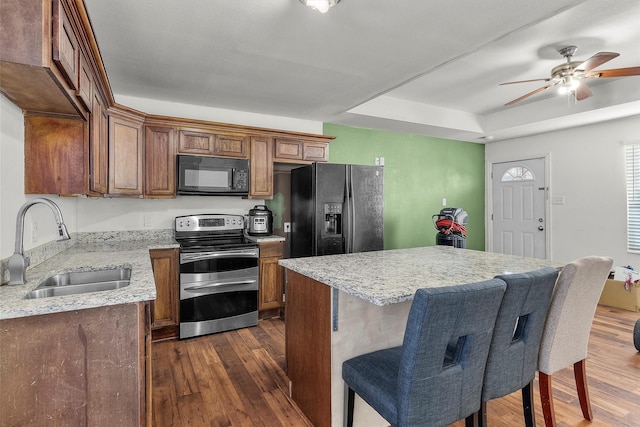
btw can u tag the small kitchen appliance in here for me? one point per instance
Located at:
(211, 176)
(260, 221)
(218, 274)
(451, 225)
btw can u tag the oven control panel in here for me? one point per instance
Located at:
(209, 222)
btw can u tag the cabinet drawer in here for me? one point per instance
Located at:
(271, 249)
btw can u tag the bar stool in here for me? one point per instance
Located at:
(435, 377)
(513, 356)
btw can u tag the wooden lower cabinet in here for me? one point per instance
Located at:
(270, 292)
(77, 368)
(165, 322)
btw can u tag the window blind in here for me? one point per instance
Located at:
(632, 171)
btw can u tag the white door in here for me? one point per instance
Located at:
(519, 223)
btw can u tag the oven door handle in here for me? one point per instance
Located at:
(197, 256)
(216, 284)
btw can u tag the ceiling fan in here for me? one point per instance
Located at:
(571, 76)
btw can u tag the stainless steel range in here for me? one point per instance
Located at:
(218, 274)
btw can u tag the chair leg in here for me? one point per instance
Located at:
(479, 418)
(580, 373)
(546, 397)
(527, 405)
(349, 398)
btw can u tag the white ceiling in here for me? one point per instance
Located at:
(418, 66)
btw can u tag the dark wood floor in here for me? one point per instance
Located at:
(237, 378)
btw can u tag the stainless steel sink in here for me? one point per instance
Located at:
(79, 282)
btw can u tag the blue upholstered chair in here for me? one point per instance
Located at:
(513, 356)
(435, 377)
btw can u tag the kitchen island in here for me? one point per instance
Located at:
(341, 306)
(80, 359)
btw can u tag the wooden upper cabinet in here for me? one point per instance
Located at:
(66, 51)
(228, 145)
(195, 142)
(315, 151)
(56, 158)
(125, 155)
(98, 146)
(288, 149)
(85, 83)
(160, 168)
(261, 164)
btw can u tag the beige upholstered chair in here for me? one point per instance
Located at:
(566, 332)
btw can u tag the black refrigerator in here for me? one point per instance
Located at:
(336, 209)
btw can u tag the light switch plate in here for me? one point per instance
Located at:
(557, 200)
(287, 227)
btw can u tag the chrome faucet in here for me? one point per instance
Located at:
(18, 263)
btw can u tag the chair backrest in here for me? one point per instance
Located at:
(566, 331)
(513, 357)
(444, 352)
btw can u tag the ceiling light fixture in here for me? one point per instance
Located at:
(321, 6)
(568, 85)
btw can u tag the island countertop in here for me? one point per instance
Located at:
(393, 276)
(89, 256)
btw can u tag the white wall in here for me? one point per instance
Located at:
(93, 214)
(587, 168)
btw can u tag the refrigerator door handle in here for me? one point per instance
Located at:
(351, 212)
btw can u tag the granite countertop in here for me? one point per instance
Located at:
(87, 256)
(269, 238)
(393, 276)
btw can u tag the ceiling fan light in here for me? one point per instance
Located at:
(321, 6)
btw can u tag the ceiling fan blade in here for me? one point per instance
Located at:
(596, 60)
(541, 89)
(525, 81)
(616, 72)
(583, 91)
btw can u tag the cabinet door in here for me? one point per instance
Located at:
(231, 146)
(54, 150)
(98, 146)
(194, 142)
(288, 149)
(160, 180)
(270, 275)
(65, 45)
(125, 156)
(85, 83)
(316, 152)
(164, 310)
(261, 164)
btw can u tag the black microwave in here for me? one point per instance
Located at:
(212, 176)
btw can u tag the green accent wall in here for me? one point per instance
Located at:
(419, 172)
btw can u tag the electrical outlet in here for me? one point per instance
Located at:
(377, 161)
(444, 201)
(381, 161)
(287, 227)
